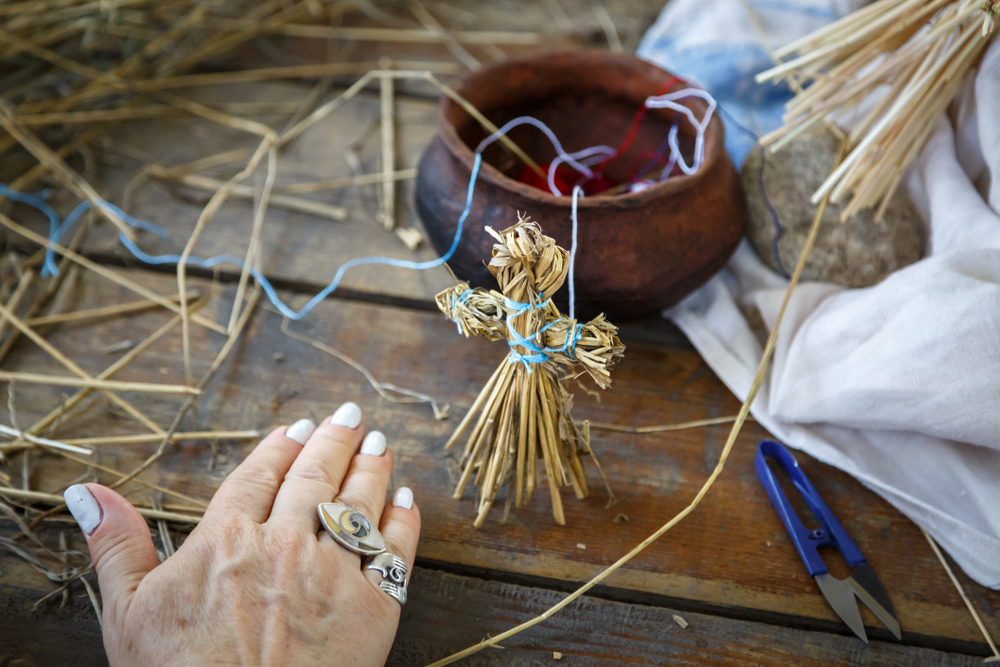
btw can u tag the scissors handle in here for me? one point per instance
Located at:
(806, 541)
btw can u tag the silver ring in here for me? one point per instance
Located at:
(393, 571)
(351, 529)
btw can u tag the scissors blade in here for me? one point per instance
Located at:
(841, 597)
(870, 591)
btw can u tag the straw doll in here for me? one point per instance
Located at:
(524, 409)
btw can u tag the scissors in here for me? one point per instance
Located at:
(840, 593)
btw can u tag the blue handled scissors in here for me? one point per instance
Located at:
(841, 594)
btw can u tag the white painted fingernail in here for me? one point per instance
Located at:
(403, 498)
(84, 508)
(300, 431)
(348, 415)
(374, 444)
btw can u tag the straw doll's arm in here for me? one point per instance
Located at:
(477, 312)
(594, 345)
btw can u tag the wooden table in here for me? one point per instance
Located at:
(729, 569)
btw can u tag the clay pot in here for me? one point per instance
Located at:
(637, 253)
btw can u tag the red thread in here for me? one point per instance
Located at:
(634, 130)
(600, 182)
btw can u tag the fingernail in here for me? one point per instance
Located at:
(84, 508)
(374, 444)
(403, 498)
(348, 415)
(300, 431)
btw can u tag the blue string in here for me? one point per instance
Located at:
(326, 291)
(516, 308)
(779, 230)
(49, 267)
(57, 231)
(454, 304)
(538, 353)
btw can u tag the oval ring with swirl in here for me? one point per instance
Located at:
(351, 529)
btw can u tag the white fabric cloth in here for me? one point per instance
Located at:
(897, 384)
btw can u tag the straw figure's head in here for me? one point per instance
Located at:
(525, 259)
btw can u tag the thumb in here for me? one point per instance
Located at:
(119, 540)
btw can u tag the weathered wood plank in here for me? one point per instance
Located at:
(297, 248)
(446, 613)
(731, 556)
(46, 638)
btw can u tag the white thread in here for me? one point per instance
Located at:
(665, 174)
(594, 152)
(667, 101)
(577, 193)
(522, 120)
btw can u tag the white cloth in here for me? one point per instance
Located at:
(897, 384)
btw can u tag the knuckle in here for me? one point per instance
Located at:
(256, 474)
(286, 541)
(375, 465)
(339, 437)
(309, 470)
(402, 533)
(230, 528)
(224, 534)
(110, 551)
(361, 494)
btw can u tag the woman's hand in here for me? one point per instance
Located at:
(257, 583)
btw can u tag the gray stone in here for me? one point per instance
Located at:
(857, 253)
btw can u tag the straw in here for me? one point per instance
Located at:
(917, 52)
(524, 409)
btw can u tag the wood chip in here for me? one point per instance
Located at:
(121, 346)
(556, 655)
(681, 622)
(581, 545)
(410, 236)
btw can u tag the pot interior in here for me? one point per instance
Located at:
(585, 104)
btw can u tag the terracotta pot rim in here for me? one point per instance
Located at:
(714, 136)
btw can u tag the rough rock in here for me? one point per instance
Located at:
(857, 253)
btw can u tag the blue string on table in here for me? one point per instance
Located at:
(59, 229)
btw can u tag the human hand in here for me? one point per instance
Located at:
(256, 583)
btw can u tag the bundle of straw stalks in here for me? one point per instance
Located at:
(916, 54)
(524, 408)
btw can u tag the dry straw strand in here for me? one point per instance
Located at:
(962, 593)
(58, 500)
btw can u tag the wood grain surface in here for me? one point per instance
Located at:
(299, 250)
(447, 613)
(731, 557)
(729, 569)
